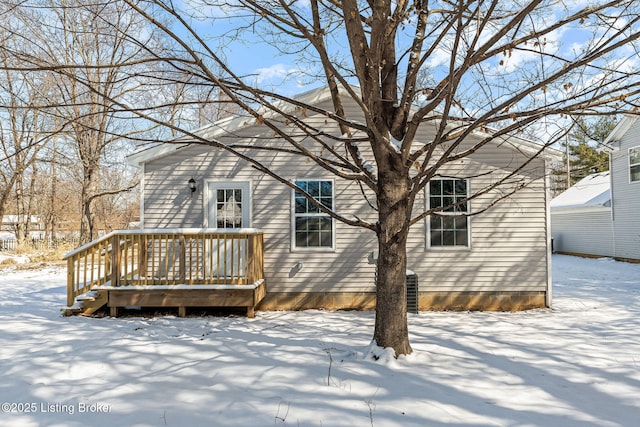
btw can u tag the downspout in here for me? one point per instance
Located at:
(613, 214)
(547, 193)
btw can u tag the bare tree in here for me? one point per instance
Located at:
(92, 35)
(23, 133)
(80, 46)
(473, 71)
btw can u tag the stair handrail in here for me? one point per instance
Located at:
(76, 257)
(90, 244)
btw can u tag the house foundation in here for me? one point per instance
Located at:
(437, 301)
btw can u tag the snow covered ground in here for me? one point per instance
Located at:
(575, 365)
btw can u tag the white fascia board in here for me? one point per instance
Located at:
(519, 144)
(618, 132)
(570, 210)
(160, 150)
(223, 127)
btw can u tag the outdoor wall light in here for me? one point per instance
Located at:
(192, 185)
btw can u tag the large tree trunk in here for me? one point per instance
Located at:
(20, 214)
(86, 226)
(391, 329)
(50, 229)
(4, 197)
(87, 223)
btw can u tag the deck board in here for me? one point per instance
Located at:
(187, 296)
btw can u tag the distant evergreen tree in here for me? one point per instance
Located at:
(586, 155)
(586, 159)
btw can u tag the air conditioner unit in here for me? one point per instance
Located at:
(412, 290)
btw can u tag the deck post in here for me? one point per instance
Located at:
(251, 259)
(257, 260)
(71, 297)
(115, 260)
(107, 261)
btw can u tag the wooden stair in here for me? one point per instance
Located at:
(88, 303)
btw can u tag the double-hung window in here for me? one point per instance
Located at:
(449, 227)
(312, 228)
(634, 164)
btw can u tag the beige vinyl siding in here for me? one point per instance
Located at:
(168, 202)
(347, 268)
(507, 253)
(586, 231)
(626, 198)
(508, 242)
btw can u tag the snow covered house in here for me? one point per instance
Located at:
(300, 258)
(600, 214)
(581, 220)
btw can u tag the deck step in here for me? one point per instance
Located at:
(87, 303)
(76, 308)
(88, 296)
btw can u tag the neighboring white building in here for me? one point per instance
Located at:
(625, 187)
(12, 222)
(600, 215)
(581, 217)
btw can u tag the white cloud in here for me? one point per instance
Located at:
(275, 72)
(202, 10)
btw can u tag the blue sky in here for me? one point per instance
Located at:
(272, 70)
(254, 56)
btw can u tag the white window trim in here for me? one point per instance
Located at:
(428, 218)
(205, 197)
(292, 210)
(632, 164)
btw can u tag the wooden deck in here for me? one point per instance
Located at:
(167, 268)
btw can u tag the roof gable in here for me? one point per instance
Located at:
(621, 128)
(314, 97)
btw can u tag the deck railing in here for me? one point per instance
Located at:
(166, 257)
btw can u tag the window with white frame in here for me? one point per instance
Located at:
(450, 226)
(312, 228)
(634, 164)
